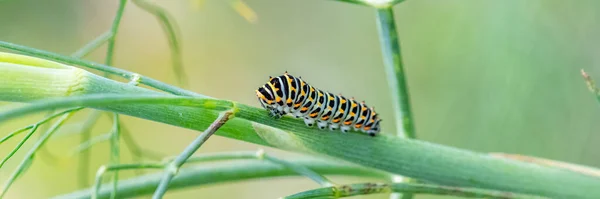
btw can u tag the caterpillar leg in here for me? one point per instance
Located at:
(297, 114)
(309, 121)
(334, 127)
(322, 124)
(345, 129)
(274, 113)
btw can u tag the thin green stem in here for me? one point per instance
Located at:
(591, 85)
(115, 168)
(392, 58)
(115, 135)
(101, 67)
(172, 168)
(46, 119)
(210, 174)
(27, 160)
(91, 142)
(297, 168)
(16, 132)
(113, 30)
(84, 156)
(92, 45)
(378, 188)
(19, 145)
(170, 27)
(260, 155)
(33, 128)
(115, 151)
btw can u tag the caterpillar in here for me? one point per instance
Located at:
(288, 94)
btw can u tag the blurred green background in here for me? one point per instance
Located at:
(488, 76)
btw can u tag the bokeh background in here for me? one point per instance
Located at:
(487, 76)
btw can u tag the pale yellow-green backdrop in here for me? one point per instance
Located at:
(484, 75)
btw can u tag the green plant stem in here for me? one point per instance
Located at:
(115, 151)
(115, 168)
(91, 142)
(242, 155)
(169, 26)
(101, 67)
(300, 169)
(92, 45)
(392, 57)
(213, 174)
(413, 158)
(28, 159)
(19, 145)
(261, 155)
(113, 30)
(84, 157)
(46, 119)
(378, 188)
(172, 168)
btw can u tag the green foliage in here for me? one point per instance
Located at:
(422, 160)
(27, 79)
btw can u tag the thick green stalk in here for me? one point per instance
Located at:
(96, 66)
(204, 174)
(407, 157)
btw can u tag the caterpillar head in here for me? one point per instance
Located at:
(265, 96)
(372, 124)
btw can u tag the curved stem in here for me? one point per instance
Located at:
(169, 27)
(213, 174)
(378, 188)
